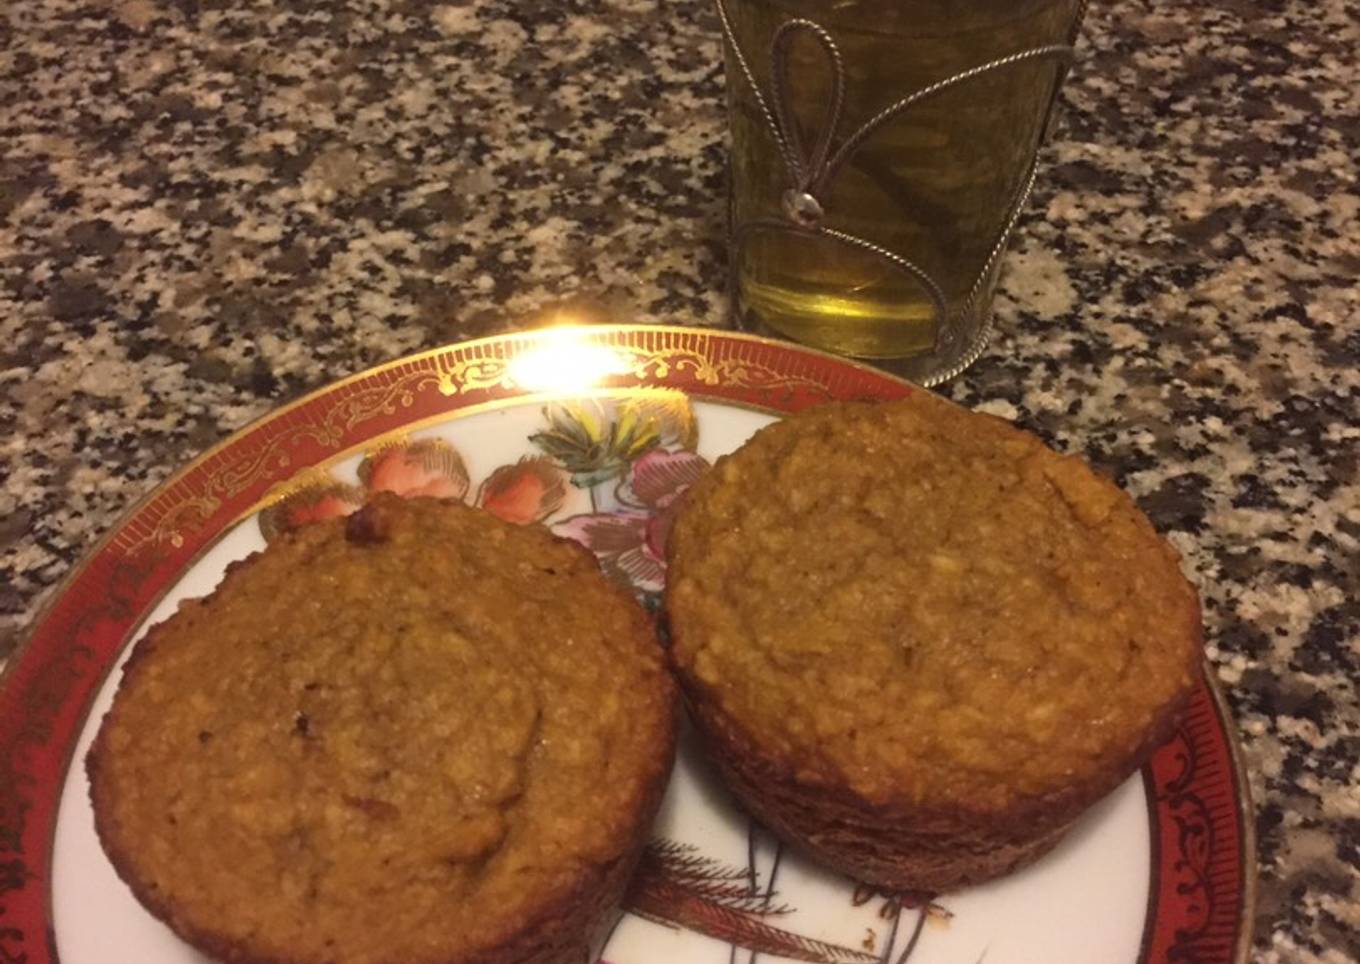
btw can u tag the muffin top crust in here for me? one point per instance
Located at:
(401, 736)
(927, 606)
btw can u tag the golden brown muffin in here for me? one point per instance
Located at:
(918, 642)
(417, 735)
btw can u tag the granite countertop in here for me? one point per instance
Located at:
(207, 208)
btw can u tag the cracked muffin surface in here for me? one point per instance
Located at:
(925, 611)
(419, 734)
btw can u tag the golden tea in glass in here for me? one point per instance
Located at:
(822, 220)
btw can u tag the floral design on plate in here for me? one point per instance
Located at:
(597, 439)
(312, 498)
(635, 457)
(630, 540)
(677, 885)
(526, 491)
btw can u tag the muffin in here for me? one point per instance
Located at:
(419, 734)
(919, 643)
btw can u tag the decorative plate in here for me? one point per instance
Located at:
(594, 432)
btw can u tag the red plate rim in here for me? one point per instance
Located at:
(1202, 834)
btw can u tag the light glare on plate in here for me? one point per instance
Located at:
(565, 360)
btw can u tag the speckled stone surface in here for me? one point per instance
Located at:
(209, 207)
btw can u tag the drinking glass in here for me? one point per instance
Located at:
(881, 152)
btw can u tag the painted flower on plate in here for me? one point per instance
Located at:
(630, 542)
(526, 491)
(596, 440)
